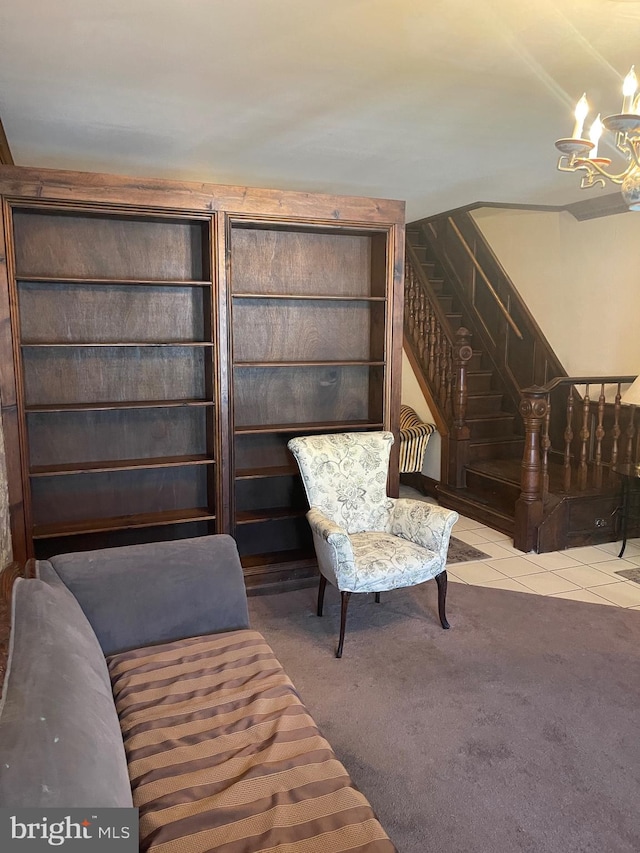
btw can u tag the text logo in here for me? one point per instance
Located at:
(34, 829)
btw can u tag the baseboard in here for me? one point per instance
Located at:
(425, 485)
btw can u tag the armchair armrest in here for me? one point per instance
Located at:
(332, 545)
(425, 524)
(326, 528)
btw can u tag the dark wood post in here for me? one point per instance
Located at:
(459, 437)
(529, 506)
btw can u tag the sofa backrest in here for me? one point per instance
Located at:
(139, 595)
(59, 730)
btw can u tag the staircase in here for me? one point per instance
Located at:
(492, 470)
(526, 449)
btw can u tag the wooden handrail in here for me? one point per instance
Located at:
(484, 277)
(579, 380)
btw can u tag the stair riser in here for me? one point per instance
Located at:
(491, 427)
(478, 382)
(485, 405)
(483, 514)
(499, 494)
(497, 450)
(475, 362)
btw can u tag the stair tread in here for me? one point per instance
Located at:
(504, 470)
(493, 440)
(473, 506)
(471, 497)
(502, 416)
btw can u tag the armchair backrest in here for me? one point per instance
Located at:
(345, 477)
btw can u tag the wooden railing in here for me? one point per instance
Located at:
(441, 355)
(576, 431)
(498, 317)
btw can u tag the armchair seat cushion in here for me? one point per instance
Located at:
(382, 561)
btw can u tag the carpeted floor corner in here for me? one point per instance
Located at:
(514, 731)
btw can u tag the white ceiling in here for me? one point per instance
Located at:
(439, 102)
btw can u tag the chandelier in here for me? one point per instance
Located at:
(579, 153)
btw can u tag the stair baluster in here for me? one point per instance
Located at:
(432, 347)
(568, 438)
(421, 325)
(616, 432)
(584, 438)
(599, 434)
(630, 433)
(545, 444)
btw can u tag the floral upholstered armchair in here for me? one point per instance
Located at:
(364, 540)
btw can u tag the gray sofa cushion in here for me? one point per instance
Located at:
(57, 712)
(140, 595)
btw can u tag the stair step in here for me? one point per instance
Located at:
(455, 320)
(475, 362)
(484, 403)
(493, 489)
(477, 508)
(420, 251)
(507, 447)
(491, 426)
(446, 303)
(479, 380)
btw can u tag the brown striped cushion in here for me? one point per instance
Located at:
(224, 756)
(414, 436)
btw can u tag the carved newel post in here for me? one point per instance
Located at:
(529, 506)
(459, 437)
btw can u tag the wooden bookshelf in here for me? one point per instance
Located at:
(162, 342)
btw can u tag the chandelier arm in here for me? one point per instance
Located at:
(634, 153)
(591, 168)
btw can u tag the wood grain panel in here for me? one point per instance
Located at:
(104, 374)
(76, 497)
(82, 313)
(270, 492)
(266, 261)
(45, 548)
(57, 438)
(259, 451)
(299, 395)
(112, 247)
(283, 330)
(287, 534)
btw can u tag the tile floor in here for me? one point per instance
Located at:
(582, 574)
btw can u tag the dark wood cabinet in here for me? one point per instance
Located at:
(161, 342)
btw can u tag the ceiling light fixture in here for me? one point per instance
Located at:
(580, 153)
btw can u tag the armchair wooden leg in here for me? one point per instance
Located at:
(377, 598)
(343, 621)
(321, 589)
(441, 580)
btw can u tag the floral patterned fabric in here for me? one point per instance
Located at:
(364, 540)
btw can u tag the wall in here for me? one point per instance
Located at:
(580, 280)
